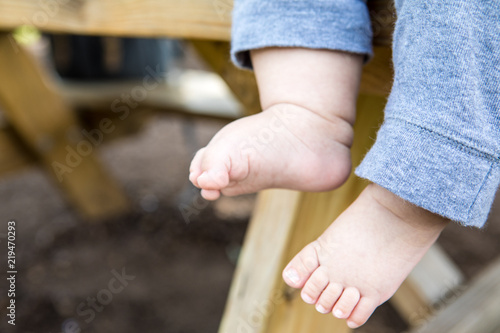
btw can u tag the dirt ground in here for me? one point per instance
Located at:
(153, 270)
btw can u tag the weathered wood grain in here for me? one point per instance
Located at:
(50, 130)
(204, 19)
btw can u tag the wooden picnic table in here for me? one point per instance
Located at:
(283, 222)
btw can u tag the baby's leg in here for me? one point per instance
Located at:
(363, 257)
(302, 138)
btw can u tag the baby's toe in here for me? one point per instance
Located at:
(346, 303)
(195, 167)
(210, 194)
(314, 286)
(301, 267)
(214, 165)
(329, 297)
(362, 312)
(215, 178)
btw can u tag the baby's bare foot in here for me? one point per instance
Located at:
(286, 146)
(364, 256)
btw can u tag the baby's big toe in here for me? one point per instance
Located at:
(301, 267)
(195, 167)
(210, 194)
(213, 179)
(209, 169)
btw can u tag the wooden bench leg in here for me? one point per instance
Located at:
(475, 311)
(433, 279)
(50, 129)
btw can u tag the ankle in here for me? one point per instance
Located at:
(323, 81)
(417, 218)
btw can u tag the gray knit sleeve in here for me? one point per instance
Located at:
(439, 146)
(318, 24)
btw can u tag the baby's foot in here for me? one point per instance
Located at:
(362, 258)
(285, 146)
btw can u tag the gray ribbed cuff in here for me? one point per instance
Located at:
(433, 172)
(337, 25)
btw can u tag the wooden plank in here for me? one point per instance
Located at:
(438, 262)
(431, 281)
(14, 155)
(475, 311)
(205, 19)
(252, 298)
(199, 19)
(187, 94)
(314, 213)
(51, 131)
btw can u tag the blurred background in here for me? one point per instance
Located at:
(166, 264)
